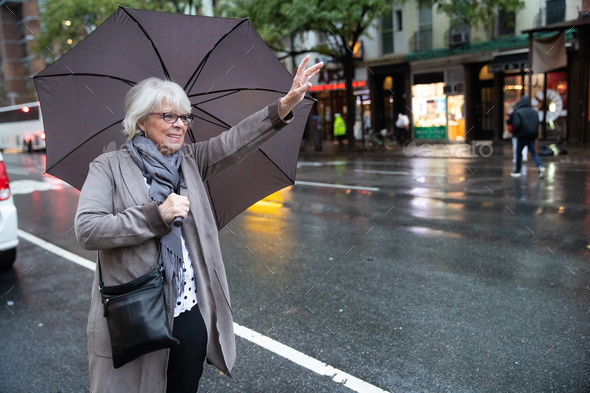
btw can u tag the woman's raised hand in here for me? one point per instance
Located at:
(301, 85)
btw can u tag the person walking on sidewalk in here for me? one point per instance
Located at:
(525, 151)
(525, 126)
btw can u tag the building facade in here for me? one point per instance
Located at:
(19, 24)
(458, 82)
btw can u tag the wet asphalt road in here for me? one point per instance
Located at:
(412, 274)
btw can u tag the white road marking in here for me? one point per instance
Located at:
(312, 364)
(18, 171)
(70, 256)
(381, 172)
(322, 163)
(28, 186)
(321, 368)
(328, 185)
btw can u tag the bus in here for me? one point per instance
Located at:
(21, 127)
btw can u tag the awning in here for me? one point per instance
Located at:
(581, 22)
(515, 61)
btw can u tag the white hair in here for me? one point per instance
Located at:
(149, 95)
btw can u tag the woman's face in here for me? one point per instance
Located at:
(168, 137)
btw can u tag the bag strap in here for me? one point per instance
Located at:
(159, 265)
(100, 282)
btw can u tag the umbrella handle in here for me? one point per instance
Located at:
(177, 221)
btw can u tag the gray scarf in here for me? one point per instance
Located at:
(163, 176)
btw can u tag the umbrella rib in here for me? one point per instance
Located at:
(222, 123)
(77, 147)
(275, 164)
(200, 67)
(229, 92)
(150, 40)
(130, 83)
(233, 91)
(191, 135)
(212, 204)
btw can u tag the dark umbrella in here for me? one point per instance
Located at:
(226, 69)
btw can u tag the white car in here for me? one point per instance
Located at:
(8, 221)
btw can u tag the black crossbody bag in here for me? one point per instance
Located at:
(136, 316)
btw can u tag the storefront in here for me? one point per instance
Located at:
(332, 99)
(438, 106)
(562, 95)
(363, 124)
(548, 94)
(549, 98)
(389, 88)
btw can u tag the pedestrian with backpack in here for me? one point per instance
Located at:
(525, 127)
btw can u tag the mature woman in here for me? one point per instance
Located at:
(126, 209)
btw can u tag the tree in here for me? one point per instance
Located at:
(343, 22)
(274, 22)
(64, 23)
(474, 12)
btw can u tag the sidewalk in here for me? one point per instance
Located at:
(477, 149)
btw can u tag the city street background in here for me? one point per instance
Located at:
(412, 274)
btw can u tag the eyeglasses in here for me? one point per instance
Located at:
(173, 117)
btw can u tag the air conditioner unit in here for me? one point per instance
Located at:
(458, 38)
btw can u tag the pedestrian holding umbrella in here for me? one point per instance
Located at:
(223, 65)
(222, 72)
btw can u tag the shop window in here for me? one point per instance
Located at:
(550, 100)
(485, 74)
(388, 83)
(556, 117)
(512, 91)
(456, 119)
(429, 108)
(388, 103)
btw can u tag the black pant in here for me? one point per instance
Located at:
(530, 143)
(185, 364)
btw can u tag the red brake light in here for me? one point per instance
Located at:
(43, 135)
(4, 187)
(25, 109)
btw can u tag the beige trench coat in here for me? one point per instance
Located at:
(117, 217)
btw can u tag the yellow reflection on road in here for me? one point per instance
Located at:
(267, 225)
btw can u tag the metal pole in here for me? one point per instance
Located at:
(530, 89)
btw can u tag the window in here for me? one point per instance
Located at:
(425, 27)
(387, 33)
(505, 23)
(555, 11)
(398, 20)
(30, 113)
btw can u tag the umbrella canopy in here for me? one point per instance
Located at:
(225, 68)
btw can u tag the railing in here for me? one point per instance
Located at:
(421, 40)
